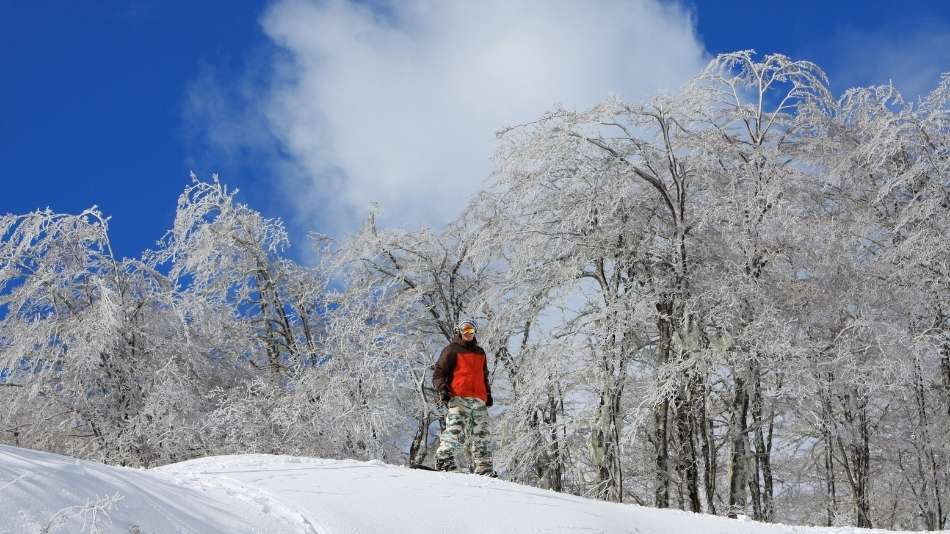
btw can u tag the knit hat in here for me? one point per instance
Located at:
(463, 322)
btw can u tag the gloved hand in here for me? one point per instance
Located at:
(445, 395)
(489, 402)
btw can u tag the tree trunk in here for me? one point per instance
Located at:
(269, 291)
(554, 470)
(704, 427)
(661, 445)
(928, 467)
(755, 493)
(831, 499)
(661, 412)
(828, 433)
(763, 445)
(687, 465)
(548, 464)
(737, 459)
(273, 351)
(945, 369)
(605, 445)
(420, 442)
(856, 455)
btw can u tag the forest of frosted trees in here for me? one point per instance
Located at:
(732, 300)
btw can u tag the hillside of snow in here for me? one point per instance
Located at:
(42, 492)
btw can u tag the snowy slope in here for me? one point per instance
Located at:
(279, 494)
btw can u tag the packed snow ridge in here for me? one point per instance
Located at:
(255, 493)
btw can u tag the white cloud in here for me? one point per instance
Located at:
(912, 56)
(397, 104)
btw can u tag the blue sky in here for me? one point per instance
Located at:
(113, 103)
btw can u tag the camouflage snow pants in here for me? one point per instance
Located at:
(467, 420)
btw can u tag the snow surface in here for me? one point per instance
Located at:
(281, 494)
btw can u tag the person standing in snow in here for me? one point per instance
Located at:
(461, 379)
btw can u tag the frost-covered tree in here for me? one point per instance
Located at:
(882, 160)
(572, 224)
(228, 254)
(750, 120)
(79, 351)
(736, 209)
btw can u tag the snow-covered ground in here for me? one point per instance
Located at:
(280, 494)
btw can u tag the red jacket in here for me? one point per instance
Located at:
(462, 371)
